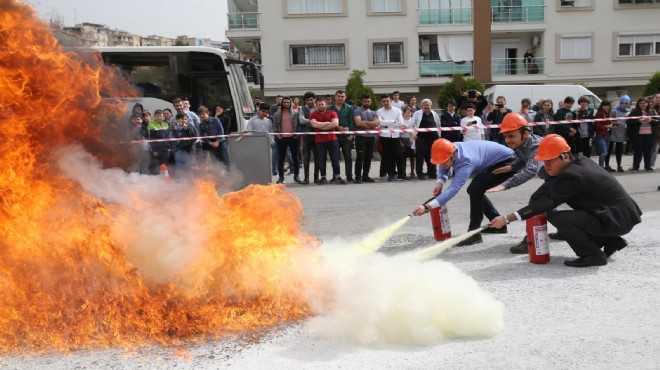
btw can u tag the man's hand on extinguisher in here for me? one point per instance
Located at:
(420, 210)
(438, 189)
(498, 222)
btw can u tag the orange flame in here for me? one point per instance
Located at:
(78, 273)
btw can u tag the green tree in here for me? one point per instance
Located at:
(455, 88)
(653, 87)
(355, 88)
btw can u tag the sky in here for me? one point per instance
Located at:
(194, 18)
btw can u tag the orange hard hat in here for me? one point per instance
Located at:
(551, 147)
(441, 150)
(512, 122)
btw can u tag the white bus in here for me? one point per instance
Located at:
(206, 76)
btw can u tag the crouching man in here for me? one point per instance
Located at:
(602, 210)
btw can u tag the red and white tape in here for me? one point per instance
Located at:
(393, 131)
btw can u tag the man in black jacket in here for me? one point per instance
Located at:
(602, 210)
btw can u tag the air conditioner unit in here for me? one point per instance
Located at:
(426, 46)
(536, 41)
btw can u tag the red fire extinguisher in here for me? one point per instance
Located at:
(440, 222)
(537, 238)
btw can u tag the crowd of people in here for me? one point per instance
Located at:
(333, 113)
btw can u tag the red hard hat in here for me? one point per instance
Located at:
(441, 150)
(551, 147)
(512, 122)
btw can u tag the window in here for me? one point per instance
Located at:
(575, 3)
(315, 6)
(317, 55)
(575, 47)
(385, 6)
(639, 45)
(388, 53)
(635, 2)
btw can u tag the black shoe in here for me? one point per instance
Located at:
(421, 177)
(338, 180)
(390, 178)
(358, 181)
(404, 178)
(612, 248)
(322, 181)
(349, 179)
(305, 182)
(281, 180)
(367, 179)
(474, 239)
(492, 230)
(520, 248)
(297, 179)
(610, 169)
(556, 236)
(620, 169)
(596, 259)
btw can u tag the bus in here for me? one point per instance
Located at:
(206, 76)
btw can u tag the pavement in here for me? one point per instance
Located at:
(555, 317)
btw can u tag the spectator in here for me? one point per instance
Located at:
(141, 150)
(285, 123)
(407, 140)
(449, 119)
(618, 132)
(183, 149)
(528, 61)
(395, 102)
(323, 119)
(365, 119)
(585, 129)
(225, 121)
(473, 97)
(211, 126)
(346, 123)
(546, 114)
(160, 151)
(390, 117)
(525, 110)
(308, 141)
(654, 151)
(644, 133)
(475, 129)
(427, 118)
(275, 107)
(484, 118)
(260, 122)
(602, 129)
(412, 101)
(566, 130)
(497, 116)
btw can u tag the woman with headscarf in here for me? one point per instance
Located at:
(618, 132)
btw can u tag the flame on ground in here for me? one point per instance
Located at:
(78, 272)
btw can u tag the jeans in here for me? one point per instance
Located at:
(602, 143)
(322, 150)
(364, 147)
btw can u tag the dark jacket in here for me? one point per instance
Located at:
(583, 185)
(586, 114)
(212, 127)
(449, 120)
(564, 128)
(633, 124)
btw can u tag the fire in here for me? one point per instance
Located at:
(79, 271)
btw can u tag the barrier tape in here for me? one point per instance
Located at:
(387, 131)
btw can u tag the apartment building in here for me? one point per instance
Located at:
(415, 46)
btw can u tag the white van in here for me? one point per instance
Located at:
(515, 93)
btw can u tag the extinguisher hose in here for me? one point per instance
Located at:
(430, 199)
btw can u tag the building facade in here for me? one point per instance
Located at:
(415, 46)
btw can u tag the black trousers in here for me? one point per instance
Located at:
(347, 151)
(423, 146)
(290, 142)
(309, 147)
(480, 205)
(364, 148)
(584, 146)
(392, 156)
(583, 231)
(618, 152)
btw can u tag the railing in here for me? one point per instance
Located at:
(243, 21)
(518, 13)
(519, 66)
(248, 75)
(432, 17)
(436, 68)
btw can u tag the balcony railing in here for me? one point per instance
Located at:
(436, 68)
(518, 13)
(433, 17)
(519, 66)
(243, 21)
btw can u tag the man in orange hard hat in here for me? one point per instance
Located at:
(602, 210)
(518, 136)
(479, 158)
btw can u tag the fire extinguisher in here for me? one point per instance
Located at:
(440, 222)
(537, 238)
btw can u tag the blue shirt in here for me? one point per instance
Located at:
(473, 157)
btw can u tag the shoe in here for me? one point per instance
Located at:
(349, 179)
(305, 182)
(413, 176)
(322, 181)
(633, 169)
(290, 173)
(650, 169)
(474, 239)
(358, 181)
(555, 236)
(596, 259)
(610, 169)
(274, 173)
(421, 177)
(297, 179)
(332, 180)
(338, 180)
(404, 178)
(390, 178)
(612, 248)
(492, 230)
(520, 248)
(367, 179)
(620, 169)
(281, 180)
(316, 180)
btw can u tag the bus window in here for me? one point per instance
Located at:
(154, 75)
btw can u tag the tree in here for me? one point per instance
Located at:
(355, 88)
(455, 88)
(653, 87)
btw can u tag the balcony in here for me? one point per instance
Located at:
(243, 21)
(530, 11)
(436, 68)
(508, 67)
(443, 16)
